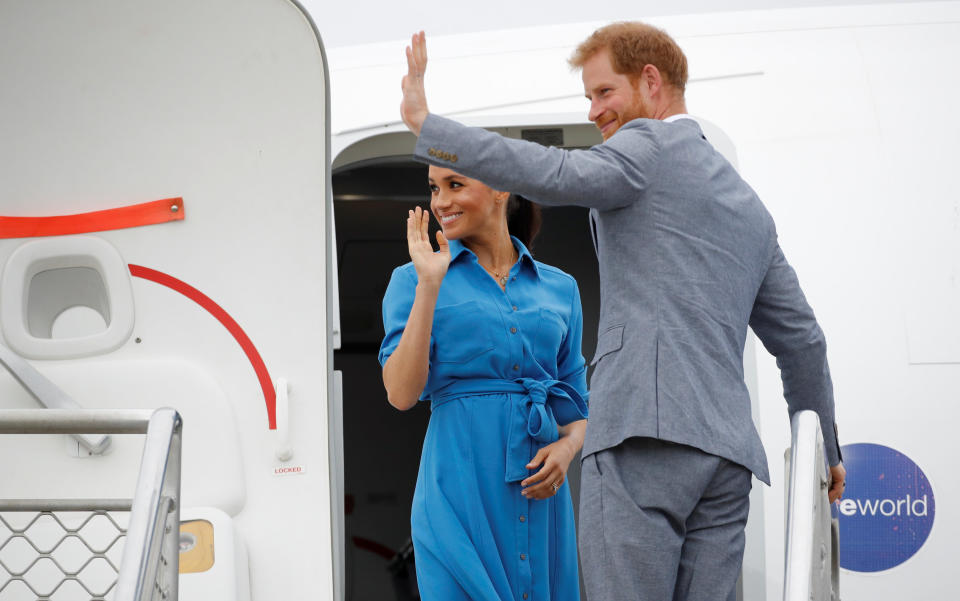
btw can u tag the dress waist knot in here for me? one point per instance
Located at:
(537, 408)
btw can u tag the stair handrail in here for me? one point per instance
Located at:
(149, 567)
(49, 395)
(811, 566)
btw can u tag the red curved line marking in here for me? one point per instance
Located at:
(269, 393)
(147, 213)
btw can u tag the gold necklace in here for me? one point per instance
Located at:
(501, 278)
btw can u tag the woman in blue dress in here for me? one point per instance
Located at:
(491, 338)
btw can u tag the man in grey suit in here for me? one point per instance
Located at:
(688, 259)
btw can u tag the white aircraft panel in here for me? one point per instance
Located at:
(223, 103)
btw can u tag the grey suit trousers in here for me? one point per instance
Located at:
(661, 521)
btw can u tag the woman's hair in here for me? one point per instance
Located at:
(523, 219)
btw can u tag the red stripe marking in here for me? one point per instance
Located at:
(147, 213)
(269, 393)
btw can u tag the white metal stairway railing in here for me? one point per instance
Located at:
(811, 570)
(149, 564)
(48, 395)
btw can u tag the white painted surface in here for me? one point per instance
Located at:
(229, 577)
(222, 103)
(349, 23)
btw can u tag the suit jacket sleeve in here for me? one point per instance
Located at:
(608, 176)
(785, 324)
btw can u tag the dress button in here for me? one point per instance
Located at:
(513, 330)
(514, 307)
(516, 367)
(523, 518)
(523, 556)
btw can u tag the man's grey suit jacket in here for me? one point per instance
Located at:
(688, 258)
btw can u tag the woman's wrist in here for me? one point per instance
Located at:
(573, 440)
(428, 287)
(573, 435)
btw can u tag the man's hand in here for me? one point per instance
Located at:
(838, 476)
(413, 107)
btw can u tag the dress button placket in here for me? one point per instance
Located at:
(516, 346)
(523, 532)
(523, 538)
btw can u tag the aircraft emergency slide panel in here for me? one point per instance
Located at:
(163, 235)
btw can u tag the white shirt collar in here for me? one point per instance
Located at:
(673, 118)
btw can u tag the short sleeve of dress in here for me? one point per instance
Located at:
(571, 367)
(397, 302)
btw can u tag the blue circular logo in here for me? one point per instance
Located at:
(887, 509)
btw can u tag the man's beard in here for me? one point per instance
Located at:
(637, 110)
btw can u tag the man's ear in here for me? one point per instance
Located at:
(651, 78)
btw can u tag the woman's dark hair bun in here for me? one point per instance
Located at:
(523, 219)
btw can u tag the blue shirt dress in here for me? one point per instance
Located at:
(505, 370)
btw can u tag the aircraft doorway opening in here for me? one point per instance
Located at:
(381, 446)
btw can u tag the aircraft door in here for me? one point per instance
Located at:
(165, 224)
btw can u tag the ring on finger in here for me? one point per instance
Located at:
(555, 487)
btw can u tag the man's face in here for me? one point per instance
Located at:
(614, 100)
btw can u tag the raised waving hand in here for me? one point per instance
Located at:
(431, 266)
(413, 107)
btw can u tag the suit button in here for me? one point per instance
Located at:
(514, 307)
(516, 367)
(525, 595)
(523, 556)
(523, 518)
(454, 158)
(432, 152)
(513, 330)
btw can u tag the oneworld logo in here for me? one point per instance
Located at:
(885, 507)
(887, 511)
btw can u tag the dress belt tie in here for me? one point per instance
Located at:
(534, 417)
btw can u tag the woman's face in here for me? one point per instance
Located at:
(464, 207)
